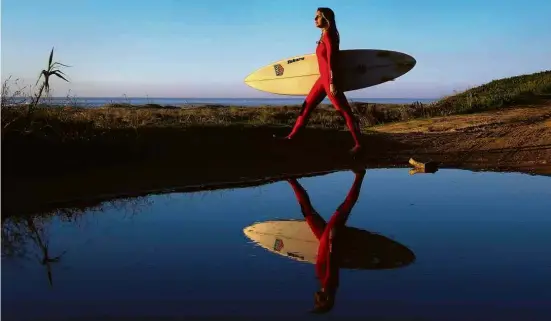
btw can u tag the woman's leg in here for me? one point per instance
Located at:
(341, 104)
(339, 218)
(314, 98)
(314, 220)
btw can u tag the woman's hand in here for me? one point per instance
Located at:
(332, 89)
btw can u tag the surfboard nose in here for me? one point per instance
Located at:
(249, 78)
(409, 61)
(254, 79)
(406, 256)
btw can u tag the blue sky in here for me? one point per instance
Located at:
(181, 48)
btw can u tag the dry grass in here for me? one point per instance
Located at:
(32, 128)
(30, 115)
(467, 121)
(67, 121)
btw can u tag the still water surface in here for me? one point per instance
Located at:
(480, 245)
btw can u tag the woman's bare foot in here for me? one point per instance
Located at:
(292, 180)
(283, 138)
(356, 150)
(359, 170)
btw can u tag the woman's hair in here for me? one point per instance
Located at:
(329, 16)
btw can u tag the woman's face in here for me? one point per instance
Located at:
(318, 19)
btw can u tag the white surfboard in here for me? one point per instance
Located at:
(357, 68)
(361, 249)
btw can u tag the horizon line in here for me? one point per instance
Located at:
(229, 98)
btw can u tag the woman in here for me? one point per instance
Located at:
(326, 52)
(331, 245)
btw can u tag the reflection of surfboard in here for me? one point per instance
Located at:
(360, 249)
(358, 68)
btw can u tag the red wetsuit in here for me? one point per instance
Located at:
(327, 262)
(327, 56)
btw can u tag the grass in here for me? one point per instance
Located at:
(31, 129)
(70, 121)
(523, 89)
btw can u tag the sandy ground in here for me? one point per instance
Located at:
(515, 139)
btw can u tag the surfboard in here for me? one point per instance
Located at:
(360, 249)
(357, 68)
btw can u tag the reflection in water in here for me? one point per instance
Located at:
(414, 171)
(166, 262)
(430, 167)
(21, 235)
(329, 245)
(18, 231)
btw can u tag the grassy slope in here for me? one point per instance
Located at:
(499, 93)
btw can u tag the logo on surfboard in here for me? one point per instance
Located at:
(278, 245)
(290, 61)
(279, 69)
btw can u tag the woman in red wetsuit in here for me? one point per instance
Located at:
(327, 51)
(330, 244)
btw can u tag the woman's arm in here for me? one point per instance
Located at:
(332, 50)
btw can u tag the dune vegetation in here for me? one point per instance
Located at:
(31, 127)
(57, 153)
(24, 114)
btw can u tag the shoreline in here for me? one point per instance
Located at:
(45, 173)
(171, 103)
(54, 157)
(85, 202)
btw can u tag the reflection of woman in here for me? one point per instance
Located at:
(326, 53)
(327, 233)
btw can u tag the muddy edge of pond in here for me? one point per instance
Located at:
(43, 178)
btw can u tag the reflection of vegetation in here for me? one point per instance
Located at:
(21, 233)
(39, 237)
(17, 233)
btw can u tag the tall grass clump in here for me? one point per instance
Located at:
(52, 69)
(13, 101)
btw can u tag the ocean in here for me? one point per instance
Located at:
(101, 101)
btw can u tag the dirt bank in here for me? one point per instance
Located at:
(513, 139)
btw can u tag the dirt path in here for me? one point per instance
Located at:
(515, 138)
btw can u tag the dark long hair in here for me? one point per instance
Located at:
(329, 17)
